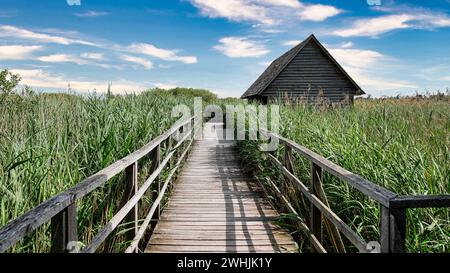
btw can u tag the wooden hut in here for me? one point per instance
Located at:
(306, 73)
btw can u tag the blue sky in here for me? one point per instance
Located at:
(398, 47)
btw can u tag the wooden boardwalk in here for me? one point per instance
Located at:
(216, 207)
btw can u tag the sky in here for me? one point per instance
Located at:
(389, 47)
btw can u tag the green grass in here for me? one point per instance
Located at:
(402, 145)
(50, 142)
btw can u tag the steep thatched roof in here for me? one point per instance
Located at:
(279, 64)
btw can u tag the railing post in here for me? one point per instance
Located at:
(393, 230)
(64, 229)
(156, 159)
(315, 214)
(384, 229)
(131, 188)
(288, 158)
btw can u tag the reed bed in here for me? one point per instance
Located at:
(402, 145)
(50, 142)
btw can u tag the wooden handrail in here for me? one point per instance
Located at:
(372, 190)
(420, 201)
(25, 224)
(393, 207)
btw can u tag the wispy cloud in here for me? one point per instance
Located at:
(373, 27)
(165, 86)
(83, 59)
(44, 79)
(93, 56)
(291, 43)
(264, 12)
(8, 13)
(92, 14)
(369, 68)
(347, 45)
(64, 38)
(160, 53)
(25, 34)
(63, 58)
(240, 47)
(137, 60)
(285, 3)
(17, 52)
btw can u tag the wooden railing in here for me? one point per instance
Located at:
(61, 209)
(393, 207)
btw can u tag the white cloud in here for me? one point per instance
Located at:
(63, 58)
(137, 60)
(93, 56)
(234, 10)
(165, 86)
(63, 38)
(318, 12)
(17, 52)
(374, 83)
(79, 60)
(240, 47)
(368, 68)
(164, 66)
(347, 45)
(92, 13)
(373, 27)
(286, 3)
(164, 54)
(264, 12)
(292, 43)
(356, 57)
(15, 32)
(43, 79)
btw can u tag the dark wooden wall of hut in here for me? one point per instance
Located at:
(309, 76)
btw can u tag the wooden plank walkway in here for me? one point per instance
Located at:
(216, 207)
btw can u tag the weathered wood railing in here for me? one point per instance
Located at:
(62, 212)
(393, 207)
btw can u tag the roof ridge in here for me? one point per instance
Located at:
(283, 63)
(279, 64)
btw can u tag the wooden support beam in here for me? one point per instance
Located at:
(156, 160)
(397, 232)
(333, 231)
(384, 229)
(393, 230)
(315, 214)
(64, 229)
(131, 188)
